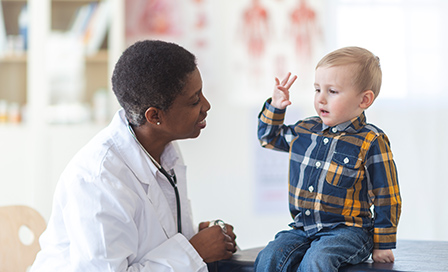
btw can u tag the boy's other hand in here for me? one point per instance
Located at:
(280, 98)
(383, 256)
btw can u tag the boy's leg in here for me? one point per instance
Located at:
(337, 247)
(284, 253)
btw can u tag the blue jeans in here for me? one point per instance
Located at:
(327, 250)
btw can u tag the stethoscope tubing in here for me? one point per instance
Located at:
(171, 179)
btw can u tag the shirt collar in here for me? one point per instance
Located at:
(169, 157)
(351, 126)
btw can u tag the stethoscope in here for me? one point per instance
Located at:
(171, 178)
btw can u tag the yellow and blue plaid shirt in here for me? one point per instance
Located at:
(336, 174)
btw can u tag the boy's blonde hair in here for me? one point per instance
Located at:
(367, 71)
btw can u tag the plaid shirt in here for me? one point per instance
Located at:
(336, 174)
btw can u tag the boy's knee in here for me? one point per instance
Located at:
(268, 253)
(264, 261)
(316, 262)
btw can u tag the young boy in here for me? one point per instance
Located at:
(339, 167)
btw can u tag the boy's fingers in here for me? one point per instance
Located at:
(293, 79)
(283, 89)
(285, 80)
(277, 81)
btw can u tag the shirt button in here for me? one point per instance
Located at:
(326, 141)
(334, 130)
(311, 188)
(346, 160)
(318, 164)
(307, 212)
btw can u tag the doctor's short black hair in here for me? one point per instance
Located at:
(150, 73)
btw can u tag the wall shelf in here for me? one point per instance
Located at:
(19, 69)
(38, 150)
(13, 59)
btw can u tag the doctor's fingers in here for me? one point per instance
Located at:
(228, 249)
(232, 236)
(223, 248)
(230, 243)
(230, 232)
(231, 247)
(203, 225)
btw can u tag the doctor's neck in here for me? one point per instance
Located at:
(151, 139)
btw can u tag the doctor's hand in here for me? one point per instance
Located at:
(213, 244)
(228, 228)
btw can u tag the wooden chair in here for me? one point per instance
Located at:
(14, 254)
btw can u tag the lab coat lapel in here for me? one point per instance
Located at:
(141, 166)
(161, 208)
(187, 228)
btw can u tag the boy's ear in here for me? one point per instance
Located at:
(152, 115)
(367, 99)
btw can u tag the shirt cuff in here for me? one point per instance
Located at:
(385, 238)
(271, 115)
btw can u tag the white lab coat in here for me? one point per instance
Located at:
(110, 214)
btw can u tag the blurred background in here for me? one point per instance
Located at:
(56, 57)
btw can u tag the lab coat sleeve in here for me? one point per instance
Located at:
(101, 223)
(157, 259)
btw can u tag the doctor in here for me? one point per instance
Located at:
(121, 203)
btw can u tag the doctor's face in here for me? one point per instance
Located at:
(186, 116)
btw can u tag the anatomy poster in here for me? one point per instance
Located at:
(274, 37)
(184, 22)
(188, 23)
(152, 18)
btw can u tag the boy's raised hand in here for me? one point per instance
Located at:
(280, 98)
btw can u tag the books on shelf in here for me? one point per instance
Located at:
(2, 32)
(23, 26)
(14, 44)
(81, 19)
(91, 24)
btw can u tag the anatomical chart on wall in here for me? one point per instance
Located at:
(185, 22)
(152, 19)
(274, 37)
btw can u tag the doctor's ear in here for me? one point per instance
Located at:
(367, 99)
(152, 115)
